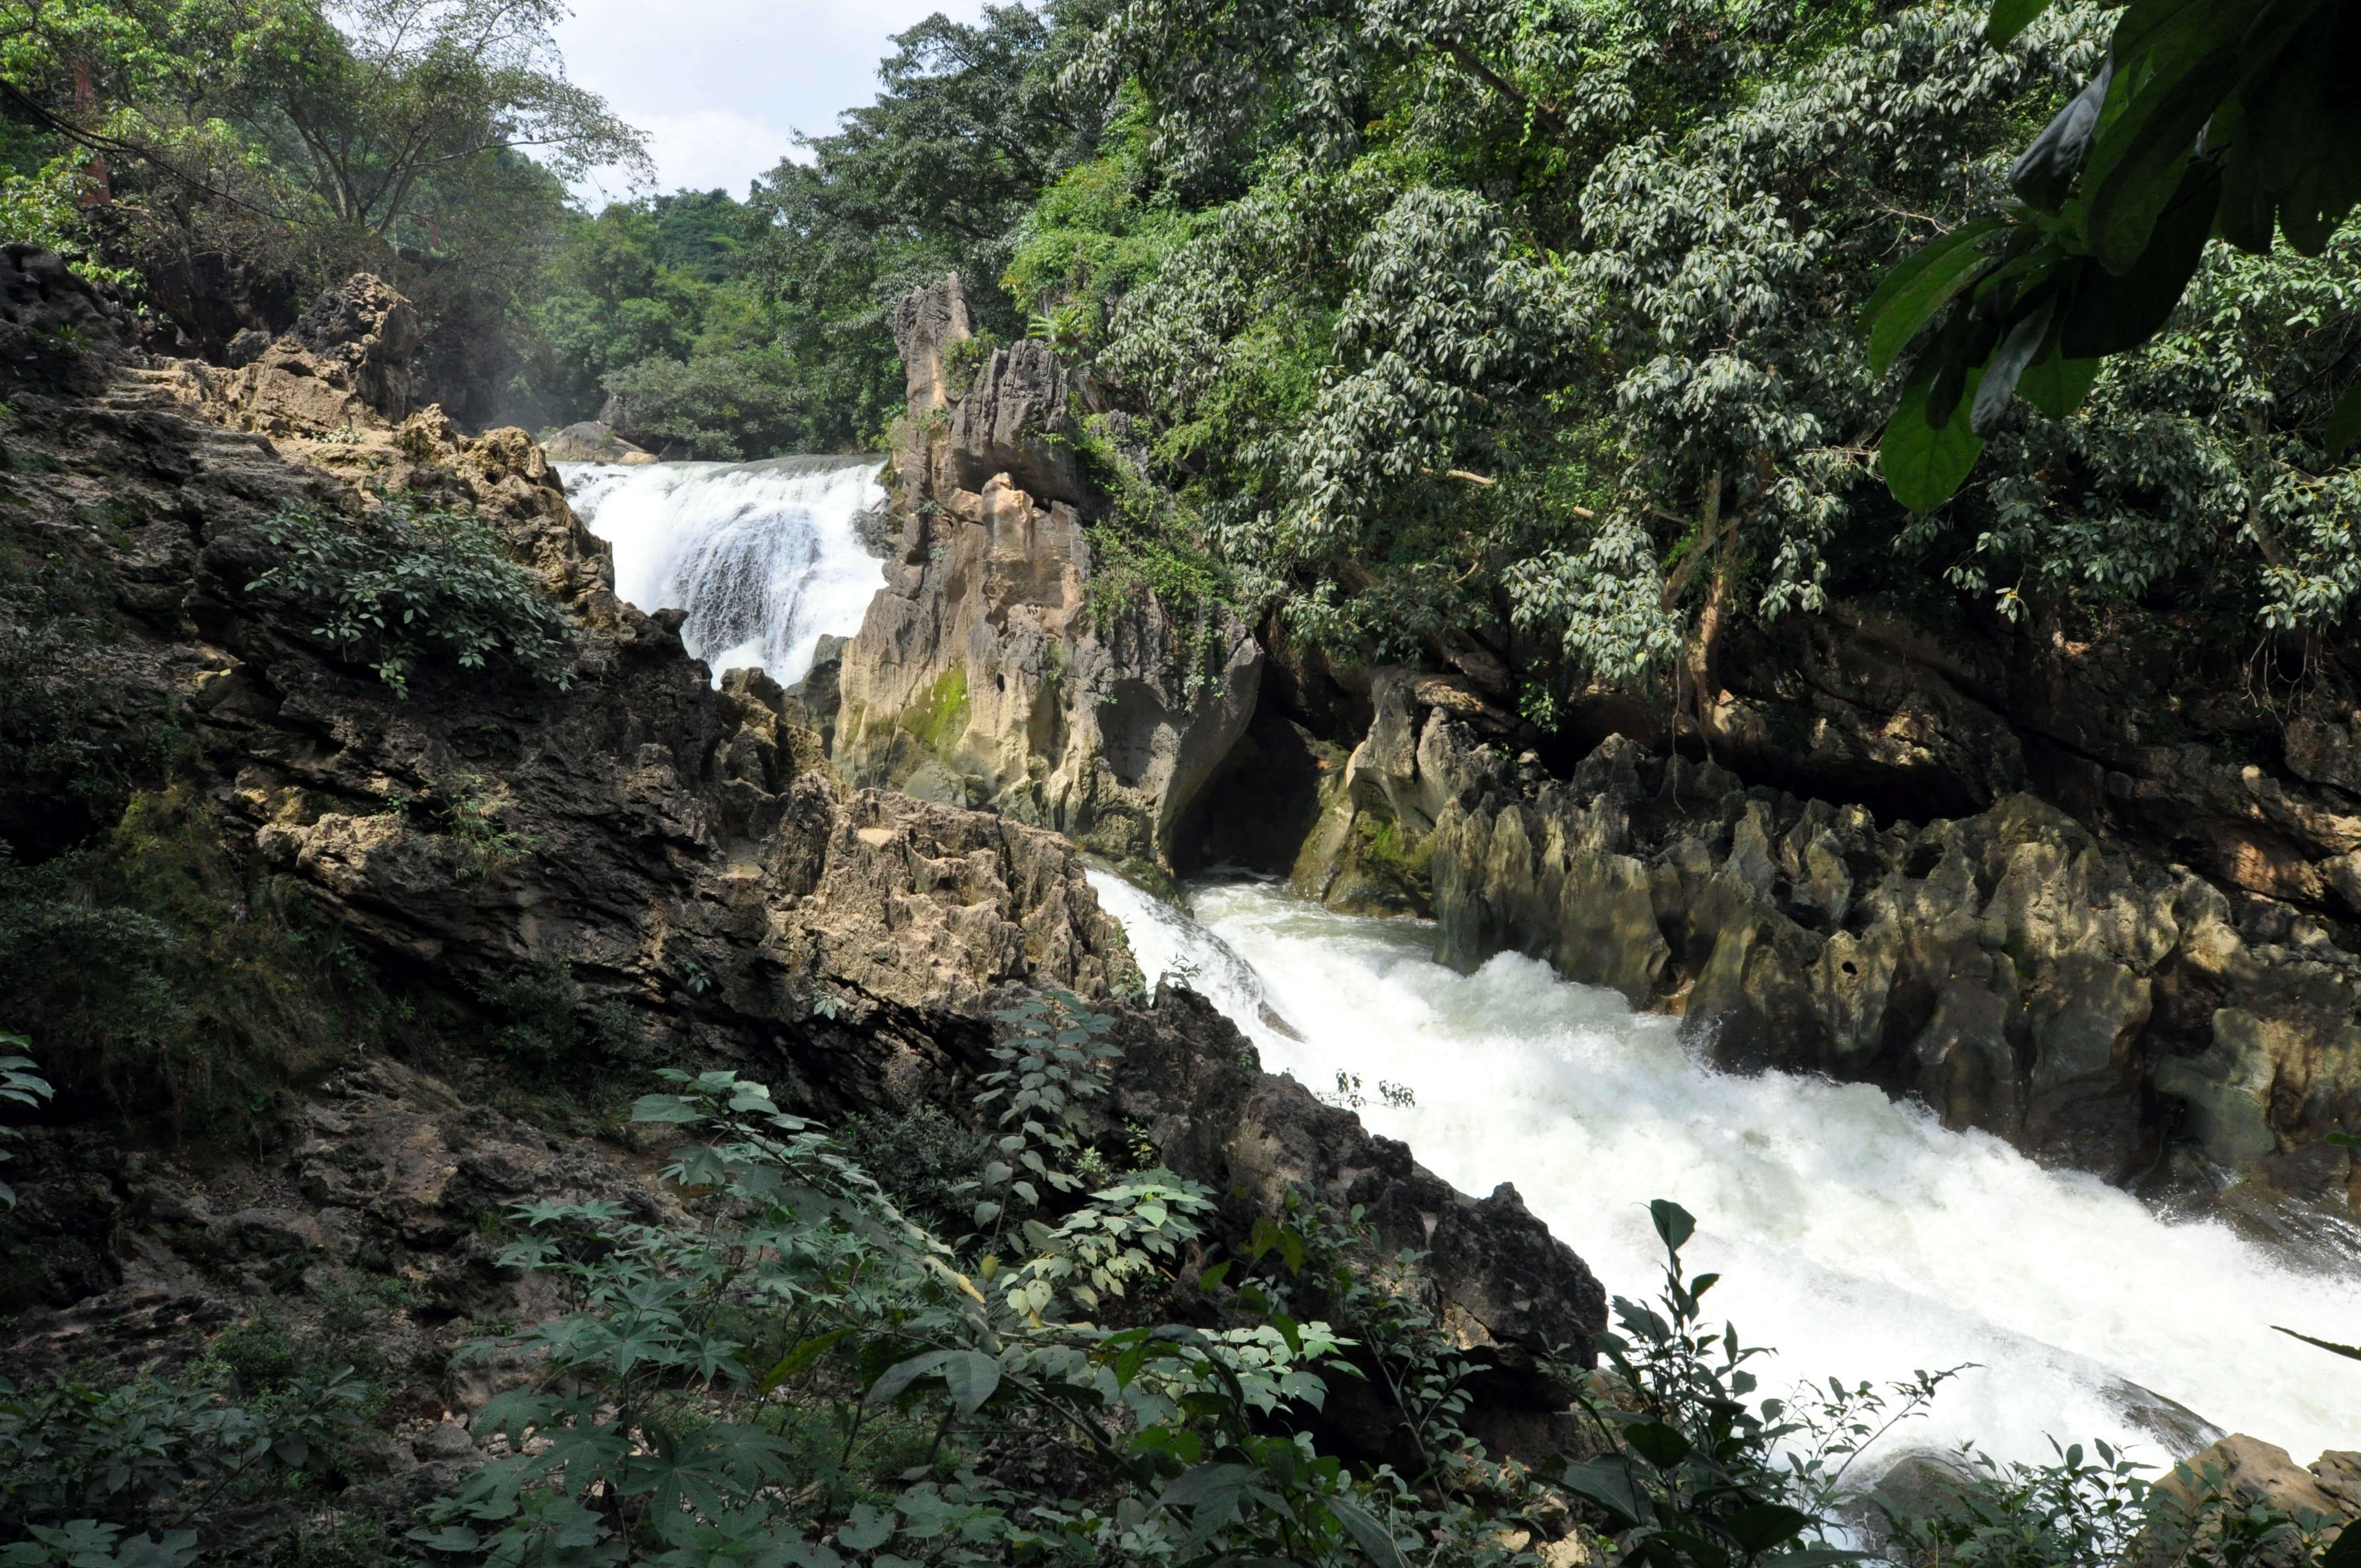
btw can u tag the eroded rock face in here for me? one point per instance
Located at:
(346, 364)
(2013, 969)
(987, 673)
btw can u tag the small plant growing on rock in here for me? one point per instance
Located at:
(414, 584)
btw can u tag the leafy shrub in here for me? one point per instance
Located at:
(413, 585)
(174, 986)
(925, 1161)
(81, 1462)
(19, 1085)
(544, 1020)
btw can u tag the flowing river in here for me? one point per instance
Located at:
(764, 557)
(1856, 1236)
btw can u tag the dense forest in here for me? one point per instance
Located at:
(1530, 318)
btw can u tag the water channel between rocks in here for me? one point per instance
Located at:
(1856, 1235)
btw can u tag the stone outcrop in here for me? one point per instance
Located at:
(994, 670)
(592, 442)
(344, 365)
(2016, 971)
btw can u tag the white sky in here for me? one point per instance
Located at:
(720, 86)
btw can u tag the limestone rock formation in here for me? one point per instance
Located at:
(345, 365)
(681, 857)
(989, 673)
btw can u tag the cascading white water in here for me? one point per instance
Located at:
(1856, 1237)
(765, 557)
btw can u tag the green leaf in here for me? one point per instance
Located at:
(866, 1530)
(2344, 1552)
(2010, 17)
(1659, 1444)
(1674, 1223)
(1371, 1535)
(665, 1108)
(1765, 1525)
(1922, 466)
(971, 1375)
(1922, 285)
(2058, 385)
(1608, 1483)
(899, 1376)
(794, 1363)
(2018, 350)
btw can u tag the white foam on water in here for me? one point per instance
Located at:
(764, 556)
(1856, 1237)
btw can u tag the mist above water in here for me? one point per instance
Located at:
(764, 557)
(1856, 1237)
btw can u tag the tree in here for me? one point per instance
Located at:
(2229, 118)
(934, 176)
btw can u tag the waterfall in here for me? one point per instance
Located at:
(765, 557)
(1856, 1237)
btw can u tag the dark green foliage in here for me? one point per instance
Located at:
(935, 176)
(717, 403)
(2234, 118)
(924, 1160)
(413, 585)
(19, 1086)
(546, 1024)
(73, 742)
(83, 1461)
(172, 989)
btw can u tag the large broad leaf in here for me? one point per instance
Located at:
(2044, 172)
(899, 1376)
(2110, 313)
(1924, 465)
(2344, 430)
(1765, 1525)
(1367, 1532)
(1608, 1483)
(1674, 1223)
(1659, 1444)
(1919, 286)
(2016, 353)
(2057, 385)
(2010, 17)
(2163, 95)
(971, 1375)
(2344, 1552)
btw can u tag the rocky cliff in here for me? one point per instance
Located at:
(989, 673)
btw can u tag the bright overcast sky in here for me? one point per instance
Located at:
(720, 86)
